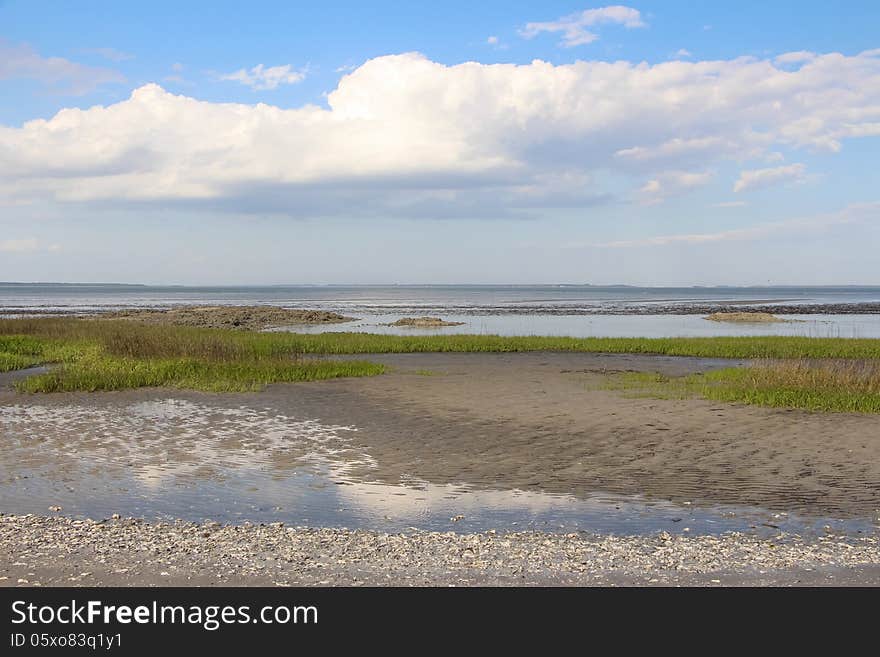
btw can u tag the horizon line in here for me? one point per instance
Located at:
(557, 284)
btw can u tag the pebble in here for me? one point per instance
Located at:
(178, 551)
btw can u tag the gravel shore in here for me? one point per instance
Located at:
(46, 551)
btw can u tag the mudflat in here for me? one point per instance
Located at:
(249, 318)
(529, 421)
(543, 422)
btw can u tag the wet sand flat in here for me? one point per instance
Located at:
(534, 422)
(542, 422)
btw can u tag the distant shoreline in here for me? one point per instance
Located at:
(829, 286)
(857, 308)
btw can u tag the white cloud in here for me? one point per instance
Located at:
(404, 136)
(690, 178)
(760, 178)
(496, 43)
(260, 78)
(574, 26)
(856, 213)
(23, 62)
(677, 148)
(19, 246)
(673, 183)
(652, 187)
(684, 53)
(110, 53)
(858, 130)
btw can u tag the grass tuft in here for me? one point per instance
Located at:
(829, 386)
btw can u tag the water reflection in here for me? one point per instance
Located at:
(183, 459)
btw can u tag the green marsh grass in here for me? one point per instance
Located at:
(104, 355)
(846, 386)
(113, 373)
(93, 354)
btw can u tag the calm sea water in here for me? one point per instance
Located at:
(487, 299)
(499, 309)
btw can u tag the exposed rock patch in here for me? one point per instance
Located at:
(246, 318)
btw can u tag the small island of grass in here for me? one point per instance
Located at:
(423, 322)
(745, 318)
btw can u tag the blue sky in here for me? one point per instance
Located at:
(276, 142)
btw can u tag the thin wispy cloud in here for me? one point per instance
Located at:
(761, 178)
(673, 183)
(64, 76)
(19, 246)
(495, 43)
(110, 54)
(266, 78)
(176, 75)
(677, 149)
(577, 29)
(855, 213)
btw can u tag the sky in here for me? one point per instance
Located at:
(651, 143)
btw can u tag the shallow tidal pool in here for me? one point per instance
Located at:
(175, 458)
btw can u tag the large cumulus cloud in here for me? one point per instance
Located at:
(404, 134)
